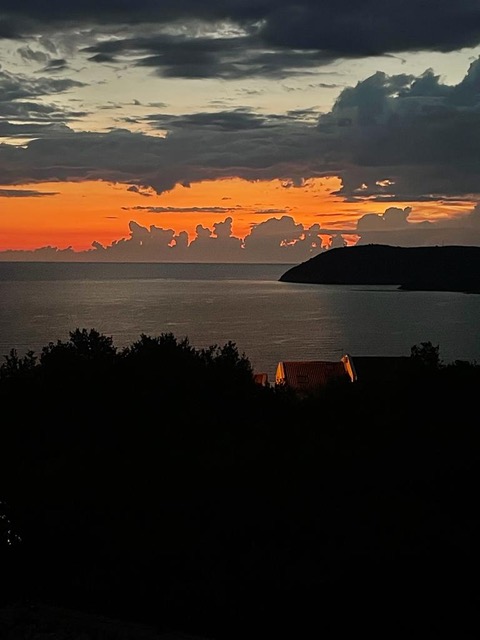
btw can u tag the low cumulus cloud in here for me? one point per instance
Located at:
(276, 240)
(393, 227)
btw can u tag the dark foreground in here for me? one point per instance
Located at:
(162, 488)
(37, 621)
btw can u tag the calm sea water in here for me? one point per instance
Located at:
(213, 303)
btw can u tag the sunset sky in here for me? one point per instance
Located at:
(242, 130)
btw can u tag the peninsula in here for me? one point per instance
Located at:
(433, 268)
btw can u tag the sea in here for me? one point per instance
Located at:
(212, 304)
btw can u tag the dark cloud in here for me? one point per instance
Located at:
(307, 115)
(15, 87)
(323, 85)
(30, 55)
(25, 193)
(58, 64)
(180, 209)
(30, 130)
(270, 37)
(229, 58)
(406, 137)
(18, 104)
(30, 113)
(141, 192)
(348, 26)
(262, 211)
(239, 119)
(103, 57)
(392, 139)
(186, 155)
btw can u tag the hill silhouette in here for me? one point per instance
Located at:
(438, 268)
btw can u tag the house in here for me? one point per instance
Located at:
(310, 376)
(261, 379)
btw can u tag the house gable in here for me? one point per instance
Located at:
(310, 375)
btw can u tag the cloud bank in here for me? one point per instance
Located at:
(277, 240)
(392, 139)
(397, 138)
(233, 40)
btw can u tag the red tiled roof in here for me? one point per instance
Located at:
(261, 378)
(311, 375)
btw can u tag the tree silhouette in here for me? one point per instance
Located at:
(159, 482)
(426, 355)
(16, 365)
(82, 346)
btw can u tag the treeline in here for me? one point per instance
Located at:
(160, 483)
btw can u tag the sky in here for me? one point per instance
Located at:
(241, 130)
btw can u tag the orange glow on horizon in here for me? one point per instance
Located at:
(84, 212)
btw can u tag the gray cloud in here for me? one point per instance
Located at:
(394, 228)
(235, 120)
(17, 103)
(180, 209)
(47, 254)
(332, 28)
(389, 138)
(30, 130)
(29, 114)
(186, 155)
(15, 87)
(194, 56)
(58, 64)
(260, 211)
(30, 55)
(103, 58)
(26, 193)
(406, 137)
(141, 192)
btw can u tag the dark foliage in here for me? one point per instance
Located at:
(160, 483)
